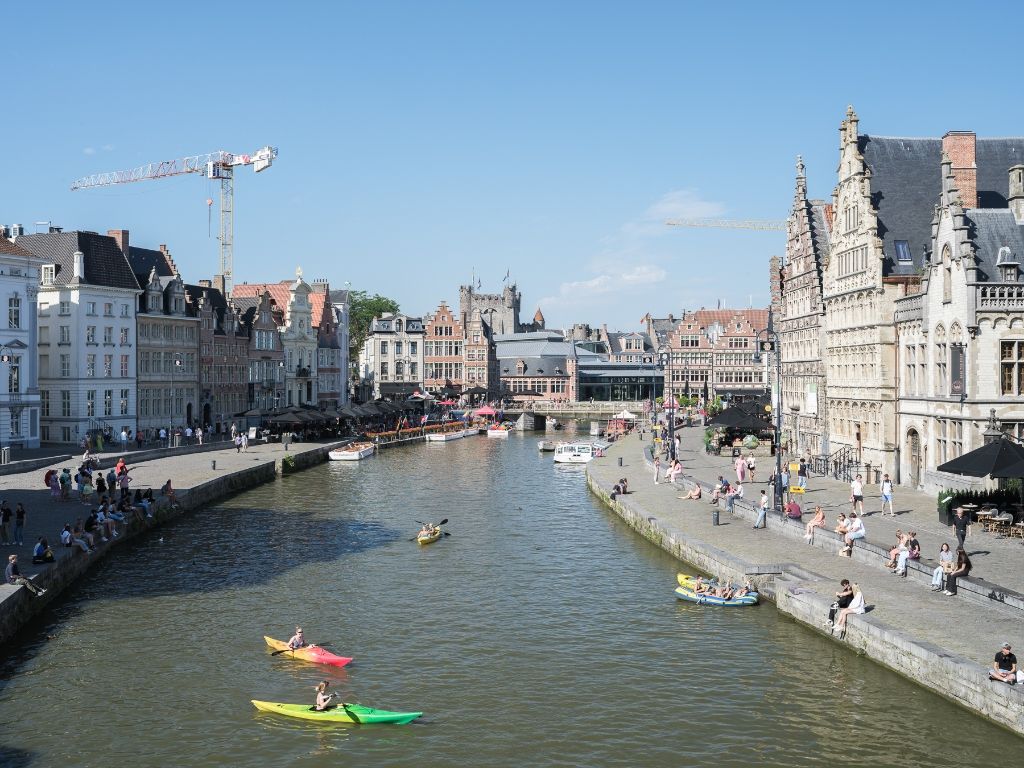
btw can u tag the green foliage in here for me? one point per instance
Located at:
(361, 311)
(715, 406)
(1001, 497)
(288, 463)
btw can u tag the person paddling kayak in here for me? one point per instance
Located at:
(323, 698)
(298, 640)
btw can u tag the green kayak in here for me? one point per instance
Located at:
(338, 713)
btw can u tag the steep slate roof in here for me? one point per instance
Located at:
(105, 264)
(820, 226)
(906, 180)
(991, 231)
(13, 249)
(144, 260)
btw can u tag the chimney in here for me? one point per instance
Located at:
(205, 284)
(121, 238)
(79, 266)
(1016, 196)
(220, 284)
(961, 148)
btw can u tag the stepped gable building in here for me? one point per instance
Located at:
(167, 343)
(961, 339)
(800, 313)
(331, 378)
(880, 245)
(298, 333)
(443, 350)
(223, 356)
(341, 304)
(261, 319)
(712, 355)
(88, 296)
(19, 403)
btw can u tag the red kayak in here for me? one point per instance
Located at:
(313, 653)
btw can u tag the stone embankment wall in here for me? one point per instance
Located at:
(951, 676)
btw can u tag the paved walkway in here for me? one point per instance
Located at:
(995, 559)
(47, 516)
(972, 630)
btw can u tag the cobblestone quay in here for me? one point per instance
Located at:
(199, 475)
(945, 644)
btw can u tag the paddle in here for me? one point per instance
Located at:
(443, 522)
(318, 645)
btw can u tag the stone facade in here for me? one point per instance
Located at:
(391, 362)
(19, 402)
(797, 300)
(481, 366)
(961, 340)
(262, 320)
(332, 379)
(870, 264)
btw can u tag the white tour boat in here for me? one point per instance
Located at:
(497, 430)
(444, 437)
(578, 453)
(352, 452)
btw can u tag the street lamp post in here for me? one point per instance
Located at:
(665, 358)
(770, 343)
(6, 356)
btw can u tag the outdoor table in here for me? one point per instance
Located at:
(1017, 529)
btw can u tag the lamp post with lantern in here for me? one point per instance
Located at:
(665, 358)
(768, 342)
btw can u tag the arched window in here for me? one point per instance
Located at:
(947, 275)
(941, 362)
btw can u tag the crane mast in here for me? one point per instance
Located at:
(219, 166)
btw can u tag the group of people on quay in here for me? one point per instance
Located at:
(952, 563)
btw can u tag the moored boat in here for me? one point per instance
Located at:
(352, 452)
(578, 453)
(313, 653)
(497, 430)
(546, 445)
(686, 591)
(444, 437)
(341, 713)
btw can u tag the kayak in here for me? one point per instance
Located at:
(429, 538)
(340, 713)
(685, 591)
(312, 653)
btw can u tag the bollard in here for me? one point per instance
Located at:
(213, 464)
(620, 461)
(714, 515)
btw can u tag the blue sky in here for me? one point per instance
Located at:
(424, 142)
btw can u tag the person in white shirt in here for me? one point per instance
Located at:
(856, 606)
(855, 530)
(885, 488)
(762, 512)
(730, 498)
(857, 494)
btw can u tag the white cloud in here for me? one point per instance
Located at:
(108, 147)
(89, 151)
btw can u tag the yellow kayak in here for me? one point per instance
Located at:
(429, 538)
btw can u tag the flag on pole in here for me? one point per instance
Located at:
(507, 273)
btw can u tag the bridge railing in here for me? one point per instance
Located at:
(586, 408)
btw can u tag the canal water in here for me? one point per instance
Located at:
(542, 632)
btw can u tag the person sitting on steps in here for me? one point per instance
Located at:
(694, 493)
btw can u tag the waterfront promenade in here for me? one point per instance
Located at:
(944, 643)
(199, 475)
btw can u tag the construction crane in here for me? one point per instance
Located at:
(771, 225)
(213, 165)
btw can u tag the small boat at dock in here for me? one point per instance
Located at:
(497, 430)
(546, 445)
(687, 591)
(444, 437)
(352, 452)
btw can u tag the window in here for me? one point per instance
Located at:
(90, 402)
(108, 334)
(90, 308)
(739, 343)
(384, 371)
(383, 347)
(903, 251)
(399, 369)
(413, 369)
(47, 273)
(65, 334)
(947, 275)
(65, 366)
(65, 403)
(108, 309)
(124, 311)
(398, 349)
(90, 334)
(44, 402)
(143, 402)
(124, 337)
(108, 402)
(124, 366)
(108, 365)
(1011, 363)
(14, 374)
(14, 312)
(90, 366)
(65, 307)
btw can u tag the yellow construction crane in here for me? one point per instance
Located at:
(769, 225)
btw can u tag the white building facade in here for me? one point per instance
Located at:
(391, 363)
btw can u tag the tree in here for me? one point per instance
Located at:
(362, 309)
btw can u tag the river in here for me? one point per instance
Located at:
(542, 632)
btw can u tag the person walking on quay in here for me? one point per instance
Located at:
(762, 512)
(163, 437)
(234, 431)
(245, 442)
(885, 488)
(857, 494)
(740, 465)
(1004, 668)
(14, 577)
(199, 435)
(124, 439)
(657, 470)
(19, 524)
(237, 440)
(5, 523)
(961, 526)
(801, 473)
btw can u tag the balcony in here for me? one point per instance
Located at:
(909, 308)
(1001, 296)
(302, 373)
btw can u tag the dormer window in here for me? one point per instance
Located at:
(520, 368)
(903, 251)
(48, 273)
(1008, 266)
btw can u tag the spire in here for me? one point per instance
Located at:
(801, 178)
(538, 317)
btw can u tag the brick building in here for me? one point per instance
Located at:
(444, 354)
